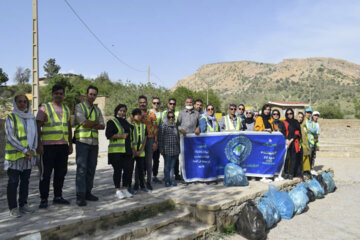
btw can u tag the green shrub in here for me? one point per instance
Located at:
(330, 111)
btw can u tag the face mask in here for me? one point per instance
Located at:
(117, 115)
(189, 107)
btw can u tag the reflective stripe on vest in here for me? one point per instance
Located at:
(159, 119)
(209, 128)
(54, 129)
(230, 126)
(117, 145)
(11, 154)
(84, 132)
(136, 136)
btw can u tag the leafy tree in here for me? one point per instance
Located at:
(3, 77)
(51, 68)
(331, 111)
(22, 75)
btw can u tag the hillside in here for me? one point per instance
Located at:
(253, 83)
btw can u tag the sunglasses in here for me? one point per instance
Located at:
(210, 109)
(171, 117)
(172, 103)
(275, 114)
(157, 103)
(248, 112)
(242, 109)
(232, 109)
(289, 113)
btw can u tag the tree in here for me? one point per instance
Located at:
(22, 75)
(3, 77)
(51, 68)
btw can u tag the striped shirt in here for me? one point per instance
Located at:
(20, 164)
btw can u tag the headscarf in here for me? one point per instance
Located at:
(266, 118)
(171, 124)
(249, 120)
(124, 123)
(212, 118)
(29, 119)
(293, 129)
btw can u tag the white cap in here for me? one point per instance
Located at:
(316, 113)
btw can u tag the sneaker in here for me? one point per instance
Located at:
(43, 203)
(167, 184)
(144, 189)
(90, 197)
(119, 194)
(266, 180)
(126, 193)
(26, 209)
(279, 178)
(313, 172)
(173, 184)
(156, 180)
(15, 213)
(148, 186)
(60, 200)
(81, 202)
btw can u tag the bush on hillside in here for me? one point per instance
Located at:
(330, 111)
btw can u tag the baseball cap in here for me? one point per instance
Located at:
(308, 110)
(316, 113)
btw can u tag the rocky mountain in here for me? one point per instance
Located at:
(316, 80)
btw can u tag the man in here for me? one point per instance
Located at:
(54, 142)
(198, 106)
(230, 122)
(313, 128)
(308, 113)
(240, 112)
(89, 120)
(149, 119)
(156, 156)
(188, 122)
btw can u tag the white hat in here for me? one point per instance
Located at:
(316, 113)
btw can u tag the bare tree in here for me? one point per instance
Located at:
(22, 75)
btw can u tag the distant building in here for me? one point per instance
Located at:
(282, 106)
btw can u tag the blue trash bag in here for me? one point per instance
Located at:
(299, 196)
(330, 183)
(234, 176)
(269, 211)
(282, 201)
(316, 188)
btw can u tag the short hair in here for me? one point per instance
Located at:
(142, 97)
(118, 108)
(232, 105)
(136, 111)
(199, 100)
(172, 99)
(57, 87)
(92, 87)
(156, 98)
(241, 105)
(189, 97)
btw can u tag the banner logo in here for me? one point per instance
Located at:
(238, 149)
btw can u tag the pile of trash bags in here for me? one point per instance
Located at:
(258, 216)
(234, 175)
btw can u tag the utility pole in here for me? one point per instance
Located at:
(148, 77)
(35, 58)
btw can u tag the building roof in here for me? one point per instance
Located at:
(288, 104)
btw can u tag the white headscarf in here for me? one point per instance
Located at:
(31, 127)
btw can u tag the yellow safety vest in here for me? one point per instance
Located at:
(229, 126)
(117, 145)
(54, 129)
(161, 119)
(136, 134)
(209, 128)
(85, 132)
(11, 153)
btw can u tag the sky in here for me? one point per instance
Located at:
(175, 38)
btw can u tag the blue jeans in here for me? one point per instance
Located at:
(86, 161)
(169, 167)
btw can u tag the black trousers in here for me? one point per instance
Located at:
(55, 158)
(123, 165)
(156, 162)
(176, 167)
(293, 162)
(13, 183)
(139, 176)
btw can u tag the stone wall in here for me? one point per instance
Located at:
(2, 145)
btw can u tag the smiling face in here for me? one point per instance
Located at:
(300, 118)
(276, 115)
(143, 104)
(21, 102)
(240, 109)
(198, 106)
(210, 110)
(58, 96)
(156, 104)
(171, 117)
(122, 112)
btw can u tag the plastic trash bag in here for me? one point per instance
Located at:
(250, 223)
(310, 195)
(316, 188)
(320, 179)
(269, 211)
(234, 176)
(330, 183)
(299, 196)
(282, 201)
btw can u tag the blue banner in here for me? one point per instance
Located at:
(204, 157)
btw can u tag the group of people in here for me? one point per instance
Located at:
(135, 143)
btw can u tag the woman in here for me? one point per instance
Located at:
(249, 120)
(293, 162)
(118, 131)
(208, 121)
(304, 145)
(264, 122)
(278, 124)
(20, 151)
(169, 145)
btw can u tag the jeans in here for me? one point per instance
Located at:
(169, 167)
(13, 183)
(86, 161)
(148, 158)
(55, 157)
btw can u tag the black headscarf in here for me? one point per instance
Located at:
(250, 120)
(293, 124)
(124, 123)
(266, 118)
